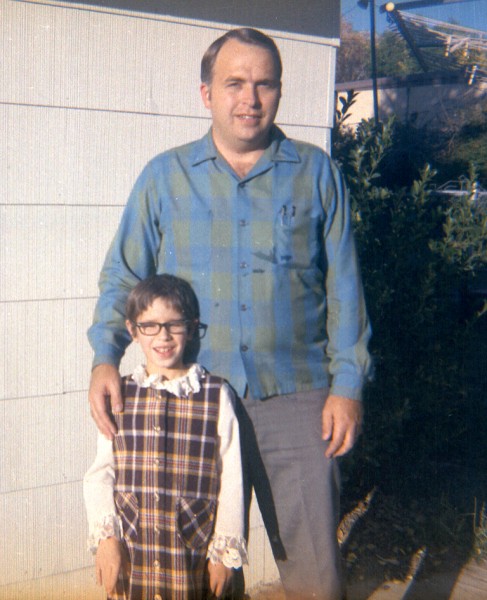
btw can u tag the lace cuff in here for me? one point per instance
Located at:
(108, 526)
(229, 550)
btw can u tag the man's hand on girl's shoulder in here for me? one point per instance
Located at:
(105, 389)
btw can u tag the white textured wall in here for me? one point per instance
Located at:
(87, 96)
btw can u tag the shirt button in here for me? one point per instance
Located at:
(156, 461)
(156, 564)
(157, 428)
(243, 265)
(157, 597)
(157, 530)
(242, 222)
(243, 307)
(244, 348)
(241, 184)
(156, 496)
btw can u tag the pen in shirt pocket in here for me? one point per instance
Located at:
(288, 215)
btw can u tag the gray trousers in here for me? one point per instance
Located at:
(297, 489)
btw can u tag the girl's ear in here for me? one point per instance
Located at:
(192, 330)
(131, 329)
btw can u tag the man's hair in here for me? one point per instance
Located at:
(175, 291)
(244, 35)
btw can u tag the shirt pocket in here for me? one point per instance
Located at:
(296, 238)
(195, 519)
(128, 509)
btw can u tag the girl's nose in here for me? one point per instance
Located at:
(164, 334)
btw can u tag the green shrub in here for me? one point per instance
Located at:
(420, 255)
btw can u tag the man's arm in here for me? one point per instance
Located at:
(132, 256)
(348, 327)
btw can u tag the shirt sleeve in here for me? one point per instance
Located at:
(98, 486)
(348, 326)
(131, 257)
(228, 545)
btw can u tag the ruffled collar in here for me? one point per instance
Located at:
(181, 387)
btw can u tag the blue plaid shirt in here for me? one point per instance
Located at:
(271, 258)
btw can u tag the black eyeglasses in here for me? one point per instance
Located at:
(172, 327)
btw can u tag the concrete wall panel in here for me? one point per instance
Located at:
(87, 96)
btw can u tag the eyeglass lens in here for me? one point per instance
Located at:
(171, 327)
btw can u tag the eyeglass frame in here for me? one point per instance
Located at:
(198, 328)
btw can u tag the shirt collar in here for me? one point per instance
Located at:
(182, 387)
(280, 149)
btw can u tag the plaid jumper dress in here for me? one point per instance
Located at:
(166, 488)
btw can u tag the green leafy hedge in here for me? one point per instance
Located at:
(421, 255)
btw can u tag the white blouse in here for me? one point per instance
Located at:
(227, 545)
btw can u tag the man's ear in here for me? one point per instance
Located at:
(132, 330)
(205, 91)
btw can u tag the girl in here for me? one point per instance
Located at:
(165, 499)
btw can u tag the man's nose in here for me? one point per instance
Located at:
(251, 95)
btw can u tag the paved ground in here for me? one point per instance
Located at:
(469, 584)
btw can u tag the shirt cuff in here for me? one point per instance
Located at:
(106, 359)
(109, 526)
(347, 387)
(229, 550)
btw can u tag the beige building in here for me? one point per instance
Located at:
(89, 92)
(425, 99)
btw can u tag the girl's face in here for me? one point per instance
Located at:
(163, 351)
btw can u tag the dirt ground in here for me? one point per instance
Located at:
(397, 549)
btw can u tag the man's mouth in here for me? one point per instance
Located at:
(248, 117)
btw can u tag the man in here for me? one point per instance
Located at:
(260, 226)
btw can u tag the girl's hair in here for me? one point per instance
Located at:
(171, 289)
(245, 35)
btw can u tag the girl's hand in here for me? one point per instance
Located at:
(220, 577)
(108, 563)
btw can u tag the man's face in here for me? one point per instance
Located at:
(243, 97)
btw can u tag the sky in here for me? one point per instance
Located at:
(472, 14)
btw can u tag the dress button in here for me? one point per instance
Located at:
(244, 348)
(156, 564)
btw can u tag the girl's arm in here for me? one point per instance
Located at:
(228, 545)
(103, 522)
(220, 577)
(108, 563)
(98, 485)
